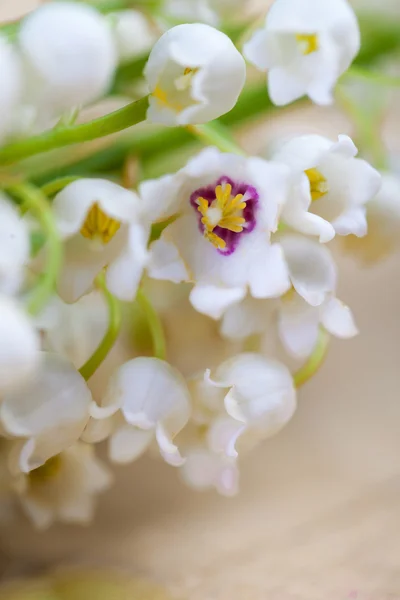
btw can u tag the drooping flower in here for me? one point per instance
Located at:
(11, 85)
(330, 186)
(133, 33)
(19, 346)
(195, 75)
(64, 487)
(228, 206)
(147, 400)
(14, 247)
(49, 412)
(103, 226)
(69, 51)
(305, 46)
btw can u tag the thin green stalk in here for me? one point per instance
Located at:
(155, 325)
(314, 363)
(215, 134)
(38, 204)
(111, 335)
(57, 138)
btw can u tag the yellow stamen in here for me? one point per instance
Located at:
(308, 42)
(99, 225)
(47, 471)
(226, 211)
(318, 184)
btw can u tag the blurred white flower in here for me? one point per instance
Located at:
(204, 469)
(330, 187)
(11, 85)
(194, 11)
(50, 411)
(133, 33)
(14, 247)
(74, 330)
(383, 218)
(103, 226)
(228, 206)
(64, 487)
(195, 74)
(305, 46)
(70, 56)
(147, 400)
(19, 346)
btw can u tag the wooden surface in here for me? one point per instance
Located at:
(318, 516)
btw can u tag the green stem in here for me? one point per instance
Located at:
(37, 202)
(372, 76)
(315, 361)
(215, 134)
(155, 325)
(111, 335)
(56, 138)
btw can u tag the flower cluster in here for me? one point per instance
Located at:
(177, 314)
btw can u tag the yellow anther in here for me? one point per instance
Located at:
(47, 471)
(318, 184)
(308, 42)
(98, 225)
(226, 211)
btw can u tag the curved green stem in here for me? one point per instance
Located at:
(315, 361)
(56, 138)
(215, 134)
(155, 325)
(110, 337)
(372, 76)
(38, 204)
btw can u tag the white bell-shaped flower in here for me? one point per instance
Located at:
(191, 11)
(195, 74)
(204, 469)
(383, 218)
(14, 247)
(50, 411)
(70, 55)
(19, 346)
(154, 401)
(64, 488)
(133, 33)
(11, 85)
(102, 226)
(228, 206)
(330, 186)
(305, 46)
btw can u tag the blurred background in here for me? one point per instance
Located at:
(318, 512)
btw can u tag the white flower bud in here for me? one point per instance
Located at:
(195, 75)
(132, 32)
(11, 84)
(14, 247)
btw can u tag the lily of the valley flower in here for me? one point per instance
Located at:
(228, 206)
(147, 400)
(64, 487)
(195, 75)
(305, 45)
(49, 412)
(19, 346)
(133, 33)
(11, 84)
(331, 187)
(102, 226)
(14, 247)
(70, 55)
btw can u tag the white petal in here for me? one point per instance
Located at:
(14, 246)
(298, 326)
(166, 263)
(269, 276)
(303, 152)
(338, 319)
(168, 450)
(19, 346)
(213, 301)
(248, 318)
(311, 266)
(128, 443)
(352, 221)
(159, 197)
(133, 33)
(223, 434)
(11, 84)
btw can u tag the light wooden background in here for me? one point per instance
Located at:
(318, 516)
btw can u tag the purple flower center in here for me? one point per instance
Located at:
(226, 211)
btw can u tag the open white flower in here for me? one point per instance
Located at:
(50, 411)
(146, 400)
(70, 55)
(228, 206)
(102, 226)
(330, 187)
(64, 487)
(14, 247)
(195, 75)
(132, 32)
(11, 84)
(19, 346)
(383, 218)
(305, 46)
